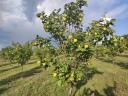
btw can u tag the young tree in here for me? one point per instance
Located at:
(117, 45)
(75, 47)
(22, 53)
(101, 51)
(102, 33)
(126, 40)
(8, 54)
(17, 53)
(42, 50)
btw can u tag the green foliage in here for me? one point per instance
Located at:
(8, 53)
(126, 40)
(68, 55)
(116, 45)
(42, 50)
(101, 35)
(23, 53)
(100, 31)
(101, 51)
(57, 23)
(41, 42)
(16, 53)
(75, 47)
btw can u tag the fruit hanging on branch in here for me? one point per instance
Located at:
(42, 51)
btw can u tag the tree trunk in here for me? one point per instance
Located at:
(70, 91)
(22, 67)
(113, 60)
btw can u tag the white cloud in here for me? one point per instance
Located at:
(118, 12)
(20, 29)
(8, 9)
(17, 24)
(49, 5)
(98, 8)
(13, 19)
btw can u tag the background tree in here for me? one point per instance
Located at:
(17, 53)
(126, 39)
(23, 53)
(8, 54)
(42, 50)
(102, 33)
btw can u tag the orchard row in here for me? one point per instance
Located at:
(74, 47)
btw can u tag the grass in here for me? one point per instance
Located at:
(35, 81)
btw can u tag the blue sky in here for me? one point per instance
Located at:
(18, 20)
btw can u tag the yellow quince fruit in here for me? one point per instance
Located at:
(80, 19)
(72, 74)
(81, 15)
(38, 62)
(104, 28)
(71, 78)
(41, 17)
(95, 33)
(75, 40)
(86, 33)
(44, 64)
(121, 38)
(86, 46)
(54, 74)
(70, 37)
(79, 78)
(79, 46)
(64, 18)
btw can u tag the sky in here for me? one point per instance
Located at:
(18, 21)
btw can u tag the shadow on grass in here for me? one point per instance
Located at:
(8, 63)
(9, 69)
(3, 89)
(5, 64)
(8, 80)
(121, 64)
(90, 92)
(108, 91)
(32, 62)
(123, 55)
(90, 73)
